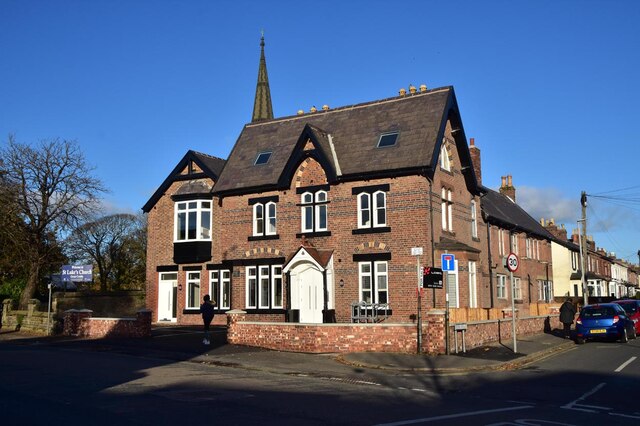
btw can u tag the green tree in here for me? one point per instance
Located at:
(53, 190)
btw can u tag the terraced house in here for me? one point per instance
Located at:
(313, 217)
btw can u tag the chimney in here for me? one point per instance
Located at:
(475, 160)
(507, 188)
(559, 233)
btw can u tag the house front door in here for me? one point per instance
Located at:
(310, 293)
(167, 297)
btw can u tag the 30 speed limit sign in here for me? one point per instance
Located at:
(512, 262)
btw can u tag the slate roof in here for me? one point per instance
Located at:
(500, 210)
(210, 165)
(354, 132)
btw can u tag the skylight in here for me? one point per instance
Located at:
(387, 139)
(262, 158)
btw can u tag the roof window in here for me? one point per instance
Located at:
(262, 158)
(387, 139)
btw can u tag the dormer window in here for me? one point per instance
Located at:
(387, 139)
(262, 158)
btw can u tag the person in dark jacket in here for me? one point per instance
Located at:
(567, 313)
(206, 309)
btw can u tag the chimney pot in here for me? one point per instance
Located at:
(472, 142)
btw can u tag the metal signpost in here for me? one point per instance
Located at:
(512, 266)
(417, 252)
(448, 264)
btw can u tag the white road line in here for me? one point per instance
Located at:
(454, 416)
(573, 405)
(629, 361)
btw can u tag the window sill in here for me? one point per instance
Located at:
(372, 230)
(314, 234)
(265, 311)
(263, 237)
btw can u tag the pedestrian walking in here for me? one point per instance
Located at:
(567, 313)
(206, 309)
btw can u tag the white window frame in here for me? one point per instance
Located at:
(454, 296)
(517, 288)
(501, 286)
(473, 285)
(375, 278)
(501, 251)
(264, 219)
(317, 204)
(445, 161)
(514, 243)
(474, 220)
(193, 280)
(528, 248)
(264, 283)
(261, 277)
(371, 209)
(222, 279)
(277, 286)
(199, 207)
(447, 210)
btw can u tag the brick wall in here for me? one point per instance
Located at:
(79, 322)
(401, 338)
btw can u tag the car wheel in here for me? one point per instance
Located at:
(580, 340)
(625, 336)
(633, 333)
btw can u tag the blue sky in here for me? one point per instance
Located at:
(548, 89)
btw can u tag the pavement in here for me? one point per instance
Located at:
(184, 343)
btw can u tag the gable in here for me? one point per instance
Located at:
(193, 166)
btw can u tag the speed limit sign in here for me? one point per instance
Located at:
(512, 262)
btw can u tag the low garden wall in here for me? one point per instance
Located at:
(380, 337)
(81, 323)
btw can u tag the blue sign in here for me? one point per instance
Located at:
(77, 273)
(448, 262)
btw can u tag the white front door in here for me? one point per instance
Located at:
(167, 295)
(311, 293)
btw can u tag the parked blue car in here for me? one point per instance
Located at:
(604, 321)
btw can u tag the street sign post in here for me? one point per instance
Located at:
(417, 252)
(513, 262)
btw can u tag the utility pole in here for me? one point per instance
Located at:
(583, 247)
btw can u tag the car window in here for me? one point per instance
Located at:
(630, 308)
(598, 312)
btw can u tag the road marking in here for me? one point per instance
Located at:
(625, 415)
(574, 405)
(629, 361)
(453, 416)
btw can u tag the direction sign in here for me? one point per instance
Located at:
(448, 262)
(512, 262)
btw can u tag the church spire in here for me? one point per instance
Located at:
(262, 109)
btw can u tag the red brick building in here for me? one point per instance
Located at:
(315, 213)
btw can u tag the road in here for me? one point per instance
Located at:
(590, 385)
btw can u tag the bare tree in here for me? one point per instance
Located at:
(105, 241)
(54, 190)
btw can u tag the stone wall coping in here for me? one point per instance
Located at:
(340, 324)
(437, 311)
(79, 310)
(236, 311)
